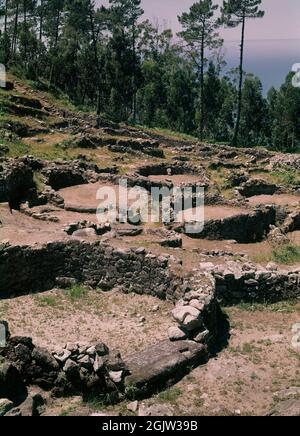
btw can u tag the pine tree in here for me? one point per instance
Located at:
(126, 14)
(200, 33)
(235, 13)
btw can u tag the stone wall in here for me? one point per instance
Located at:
(16, 179)
(26, 269)
(237, 283)
(244, 228)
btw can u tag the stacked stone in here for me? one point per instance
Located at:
(292, 222)
(87, 228)
(237, 281)
(89, 367)
(196, 312)
(92, 264)
(74, 368)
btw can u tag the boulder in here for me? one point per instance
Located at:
(162, 362)
(12, 386)
(44, 359)
(176, 334)
(286, 408)
(30, 407)
(180, 313)
(5, 406)
(155, 410)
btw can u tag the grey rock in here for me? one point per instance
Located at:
(5, 406)
(176, 334)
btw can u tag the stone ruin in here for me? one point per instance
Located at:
(95, 369)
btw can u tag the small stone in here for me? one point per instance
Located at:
(197, 304)
(73, 348)
(101, 349)
(191, 323)
(180, 313)
(5, 406)
(91, 351)
(62, 356)
(156, 410)
(85, 361)
(176, 334)
(70, 367)
(116, 376)
(272, 267)
(155, 308)
(98, 364)
(201, 337)
(133, 406)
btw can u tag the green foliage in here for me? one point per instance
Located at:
(106, 58)
(287, 254)
(170, 395)
(76, 292)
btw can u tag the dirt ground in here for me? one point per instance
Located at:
(87, 316)
(240, 380)
(278, 199)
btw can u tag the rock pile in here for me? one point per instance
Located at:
(257, 187)
(238, 281)
(93, 264)
(16, 179)
(87, 228)
(196, 312)
(73, 369)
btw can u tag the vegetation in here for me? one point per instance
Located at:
(286, 254)
(111, 60)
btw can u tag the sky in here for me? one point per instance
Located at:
(281, 21)
(272, 43)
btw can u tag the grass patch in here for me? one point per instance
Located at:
(46, 300)
(287, 254)
(290, 306)
(76, 292)
(170, 395)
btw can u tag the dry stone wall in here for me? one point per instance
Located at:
(26, 268)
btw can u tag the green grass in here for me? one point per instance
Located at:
(46, 300)
(169, 133)
(287, 178)
(170, 395)
(289, 306)
(287, 254)
(76, 292)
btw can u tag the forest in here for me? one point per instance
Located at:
(111, 60)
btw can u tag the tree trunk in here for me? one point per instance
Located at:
(41, 19)
(5, 16)
(15, 32)
(25, 30)
(133, 75)
(96, 55)
(55, 46)
(202, 89)
(239, 107)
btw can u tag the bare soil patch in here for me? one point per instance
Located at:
(56, 317)
(278, 199)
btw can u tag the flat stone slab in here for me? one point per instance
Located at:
(162, 362)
